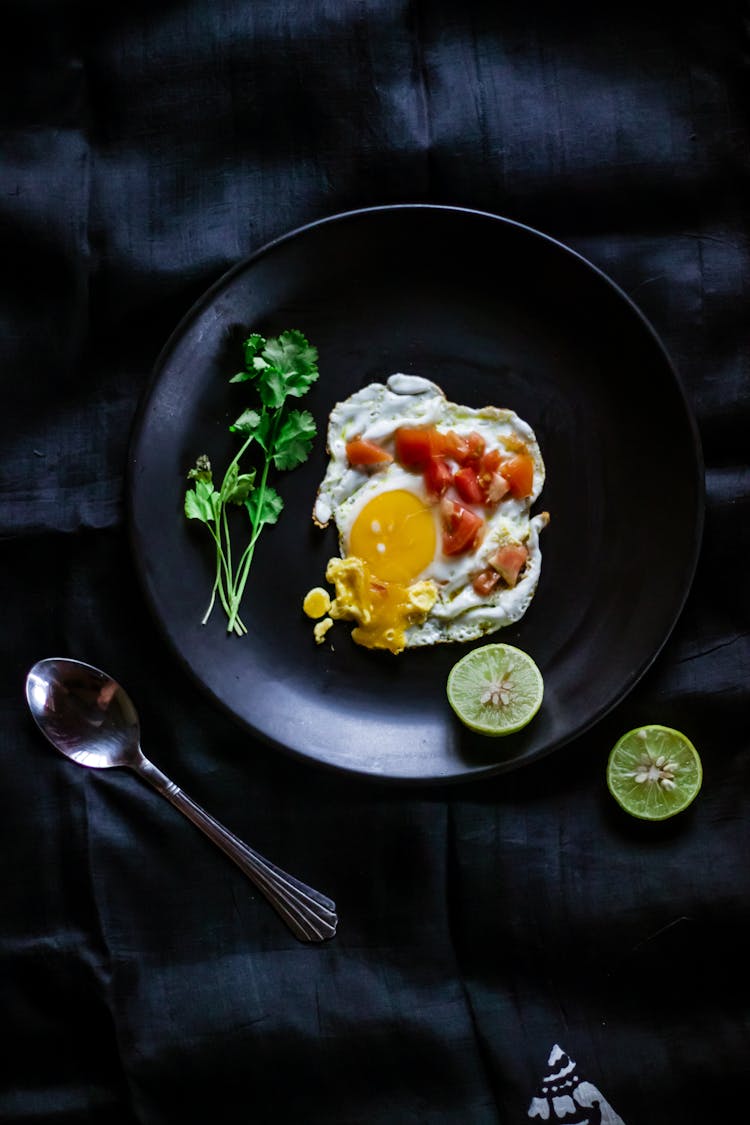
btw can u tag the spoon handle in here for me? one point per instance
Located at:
(310, 915)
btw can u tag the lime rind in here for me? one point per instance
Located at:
(654, 772)
(495, 689)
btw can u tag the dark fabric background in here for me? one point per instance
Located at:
(146, 147)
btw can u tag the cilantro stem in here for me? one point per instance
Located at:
(243, 567)
(224, 534)
(235, 460)
(218, 586)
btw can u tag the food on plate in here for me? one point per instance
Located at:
(281, 368)
(496, 689)
(654, 772)
(432, 502)
(317, 602)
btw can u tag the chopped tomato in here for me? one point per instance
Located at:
(485, 582)
(462, 528)
(508, 562)
(360, 451)
(475, 450)
(467, 485)
(452, 445)
(465, 449)
(519, 473)
(437, 476)
(416, 446)
(495, 487)
(490, 462)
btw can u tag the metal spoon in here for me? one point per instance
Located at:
(88, 717)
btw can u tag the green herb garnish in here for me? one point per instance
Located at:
(281, 368)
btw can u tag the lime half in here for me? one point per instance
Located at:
(495, 689)
(654, 772)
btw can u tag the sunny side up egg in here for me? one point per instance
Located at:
(432, 502)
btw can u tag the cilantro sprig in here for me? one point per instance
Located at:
(280, 368)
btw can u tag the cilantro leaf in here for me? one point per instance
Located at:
(265, 507)
(294, 439)
(201, 470)
(272, 389)
(288, 365)
(236, 486)
(255, 425)
(250, 348)
(247, 423)
(291, 353)
(201, 502)
(253, 344)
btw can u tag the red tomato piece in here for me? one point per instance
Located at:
(519, 473)
(360, 451)
(437, 477)
(475, 451)
(415, 447)
(465, 449)
(494, 486)
(467, 485)
(452, 445)
(508, 562)
(490, 462)
(462, 528)
(485, 582)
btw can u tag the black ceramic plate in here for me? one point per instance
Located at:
(494, 313)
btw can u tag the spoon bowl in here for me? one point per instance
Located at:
(90, 718)
(84, 713)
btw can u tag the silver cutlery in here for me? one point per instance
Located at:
(90, 719)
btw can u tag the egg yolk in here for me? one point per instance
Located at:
(382, 610)
(395, 535)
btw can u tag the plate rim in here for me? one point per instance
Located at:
(462, 776)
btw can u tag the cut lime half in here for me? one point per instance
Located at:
(495, 689)
(654, 772)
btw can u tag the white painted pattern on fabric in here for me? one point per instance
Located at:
(564, 1097)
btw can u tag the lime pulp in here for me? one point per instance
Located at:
(496, 689)
(654, 772)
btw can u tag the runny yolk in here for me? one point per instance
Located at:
(395, 535)
(382, 610)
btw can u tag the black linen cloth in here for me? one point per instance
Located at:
(146, 148)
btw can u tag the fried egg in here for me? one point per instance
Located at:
(400, 576)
